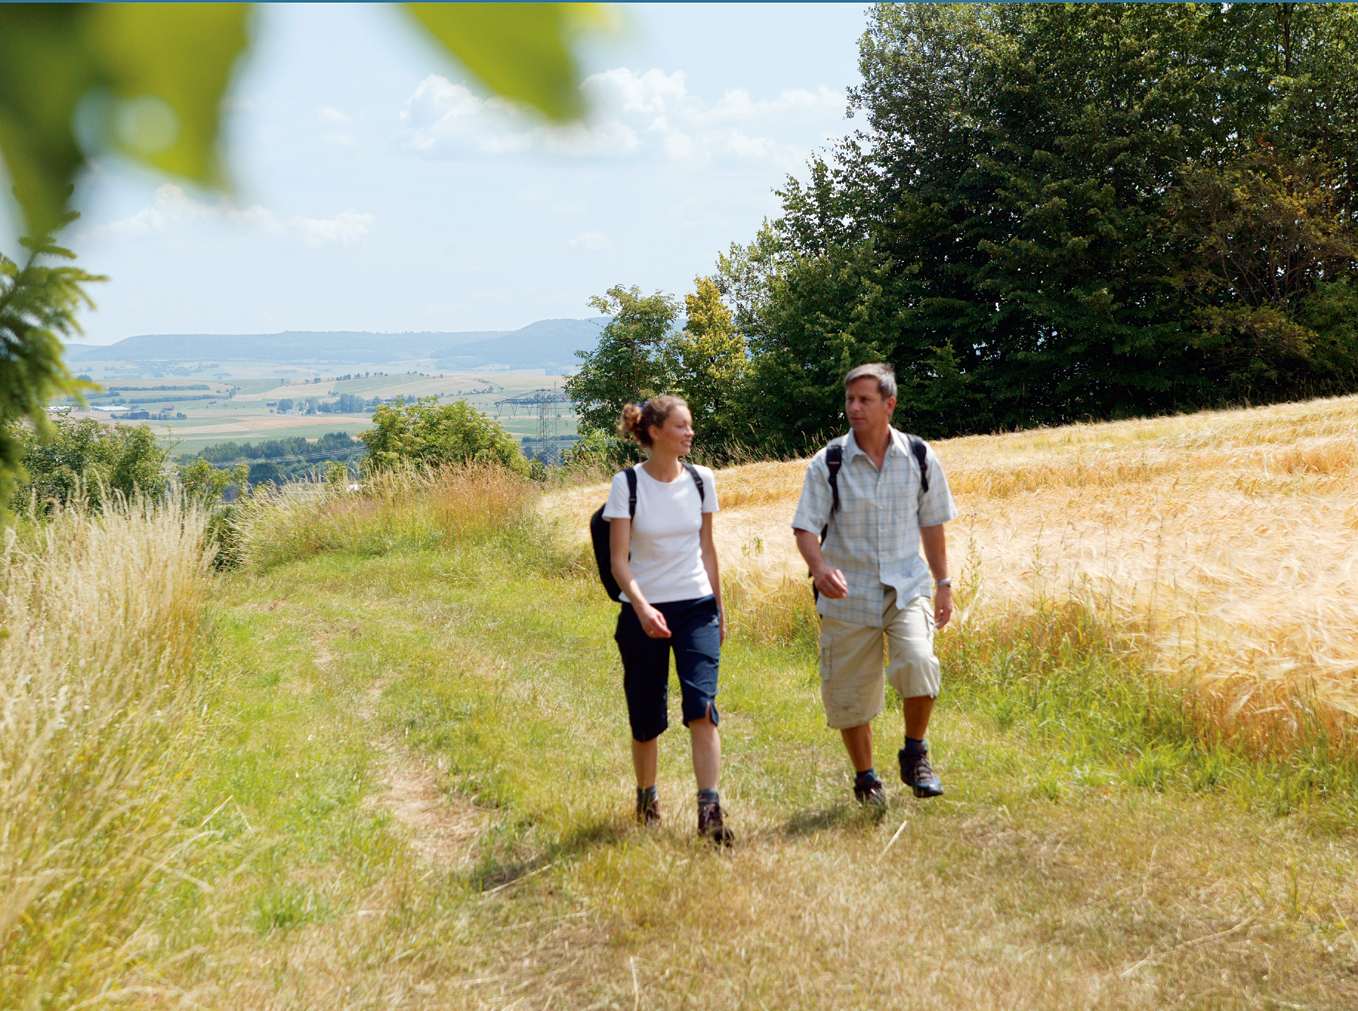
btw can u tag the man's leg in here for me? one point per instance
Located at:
(914, 672)
(917, 713)
(854, 690)
(858, 743)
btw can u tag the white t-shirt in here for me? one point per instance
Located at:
(667, 558)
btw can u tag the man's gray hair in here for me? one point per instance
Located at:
(883, 373)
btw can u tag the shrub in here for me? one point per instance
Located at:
(426, 432)
(85, 459)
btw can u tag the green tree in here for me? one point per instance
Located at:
(87, 459)
(632, 360)
(203, 483)
(1024, 225)
(38, 304)
(710, 366)
(427, 432)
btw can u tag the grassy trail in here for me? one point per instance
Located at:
(421, 794)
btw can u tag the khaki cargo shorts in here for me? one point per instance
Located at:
(851, 680)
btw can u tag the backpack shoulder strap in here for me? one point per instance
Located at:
(834, 459)
(921, 454)
(631, 475)
(698, 480)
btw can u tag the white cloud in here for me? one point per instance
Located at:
(631, 115)
(345, 229)
(171, 205)
(332, 115)
(592, 240)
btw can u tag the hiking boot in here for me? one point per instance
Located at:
(710, 824)
(871, 794)
(648, 811)
(917, 773)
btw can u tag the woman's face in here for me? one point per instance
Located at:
(676, 434)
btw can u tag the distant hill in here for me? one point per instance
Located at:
(548, 343)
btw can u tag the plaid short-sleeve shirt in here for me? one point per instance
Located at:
(874, 536)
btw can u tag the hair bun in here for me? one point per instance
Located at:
(630, 422)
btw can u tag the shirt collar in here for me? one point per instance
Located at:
(851, 447)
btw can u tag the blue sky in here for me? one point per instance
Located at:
(376, 190)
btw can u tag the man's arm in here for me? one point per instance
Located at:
(935, 545)
(830, 582)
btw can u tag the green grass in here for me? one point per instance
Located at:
(415, 789)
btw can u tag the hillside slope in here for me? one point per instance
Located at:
(547, 343)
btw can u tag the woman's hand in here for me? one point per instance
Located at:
(653, 622)
(721, 612)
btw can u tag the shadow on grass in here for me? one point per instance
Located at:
(833, 816)
(582, 840)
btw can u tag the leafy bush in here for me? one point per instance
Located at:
(89, 460)
(425, 432)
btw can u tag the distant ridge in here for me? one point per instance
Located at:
(548, 343)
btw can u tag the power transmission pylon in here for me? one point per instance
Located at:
(548, 415)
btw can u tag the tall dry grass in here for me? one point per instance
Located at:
(102, 611)
(408, 507)
(1219, 549)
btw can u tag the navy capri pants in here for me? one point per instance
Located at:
(695, 637)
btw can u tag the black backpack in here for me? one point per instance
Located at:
(598, 528)
(834, 459)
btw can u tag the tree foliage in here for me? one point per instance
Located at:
(89, 461)
(632, 359)
(1068, 211)
(642, 354)
(38, 304)
(427, 432)
(709, 366)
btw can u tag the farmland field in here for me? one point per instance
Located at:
(236, 409)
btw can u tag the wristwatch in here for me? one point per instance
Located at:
(943, 582)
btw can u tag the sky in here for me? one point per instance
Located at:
(376, 188)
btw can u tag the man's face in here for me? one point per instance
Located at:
(866, 410)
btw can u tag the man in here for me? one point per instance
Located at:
(871, 580)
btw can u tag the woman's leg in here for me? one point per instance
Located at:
(697, 656)
(646, 668)
(706, 753)
(645, 759)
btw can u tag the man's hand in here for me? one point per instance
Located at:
(652, 622)
(942, 605)
(831, 583)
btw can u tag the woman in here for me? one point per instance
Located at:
(665, 562)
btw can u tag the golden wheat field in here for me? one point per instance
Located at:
(1221, 546)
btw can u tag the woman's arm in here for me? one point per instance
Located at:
(619, 550)
(709, 548)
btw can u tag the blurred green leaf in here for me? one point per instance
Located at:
(44, 71)
(520, 51)
(181, 54)
(148, 79)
